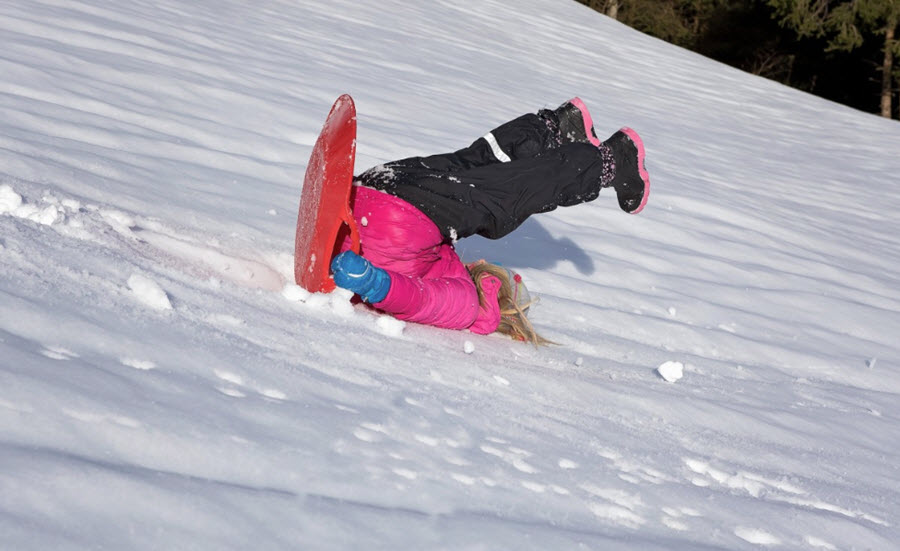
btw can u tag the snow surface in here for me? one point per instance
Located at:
(151, 155)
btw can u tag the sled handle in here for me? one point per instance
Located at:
(354, 231)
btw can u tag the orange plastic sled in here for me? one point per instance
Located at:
(325, 218)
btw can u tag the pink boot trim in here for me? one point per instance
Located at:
(588, 122)
(643, 171)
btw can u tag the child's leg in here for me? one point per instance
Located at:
(511, 192)
(492, 200)
(523, 138)
(520, 138)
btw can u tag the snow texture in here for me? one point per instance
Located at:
(151, 154)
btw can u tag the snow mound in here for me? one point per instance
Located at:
(149, 292)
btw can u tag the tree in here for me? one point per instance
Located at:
(831, 48)
(677, 21)
(609, 7)
(846, 24)
(743, 34)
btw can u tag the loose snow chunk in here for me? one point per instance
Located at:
(9, 200)
(390, 326)
(11, 203)
(46, 216)
(71, 204)
(295, 293)
(468, 347)
(671, 371)
(149, 292)
(339, 300)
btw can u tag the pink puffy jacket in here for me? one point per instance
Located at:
(429, 282)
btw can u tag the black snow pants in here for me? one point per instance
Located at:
(489, 188)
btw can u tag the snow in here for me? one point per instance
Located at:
(468, 347)
(11, 203)
(151, 154)
(390, 327)
(671, 370)
(295, 293)
(149, 292)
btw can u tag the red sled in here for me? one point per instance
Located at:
(325, 218)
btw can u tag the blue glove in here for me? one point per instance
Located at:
(357, 274)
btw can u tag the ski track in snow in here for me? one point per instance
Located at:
(164, 384)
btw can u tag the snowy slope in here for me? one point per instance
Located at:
(163, 385)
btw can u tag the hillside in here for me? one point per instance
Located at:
(164, 385)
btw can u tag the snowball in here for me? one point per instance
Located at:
(364, 221)
(671, 371)
(149, 292)
(468, 347)
(672, 311)
(579, 361)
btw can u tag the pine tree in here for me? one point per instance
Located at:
(847, 24)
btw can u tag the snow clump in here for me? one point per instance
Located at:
(390, 326)
(149, 292)
(671, 371)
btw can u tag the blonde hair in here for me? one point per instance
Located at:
(513, 321)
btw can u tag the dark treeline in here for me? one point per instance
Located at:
(843, 50)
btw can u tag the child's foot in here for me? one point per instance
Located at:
(575, 123)
(628, 175)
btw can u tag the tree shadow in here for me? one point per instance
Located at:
(530, 246)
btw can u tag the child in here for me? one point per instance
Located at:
(410, 212)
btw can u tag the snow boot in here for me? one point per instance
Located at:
(574, 122)
(625, 150)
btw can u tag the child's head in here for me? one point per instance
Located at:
(513, 298)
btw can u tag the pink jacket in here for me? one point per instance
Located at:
(429, 282)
